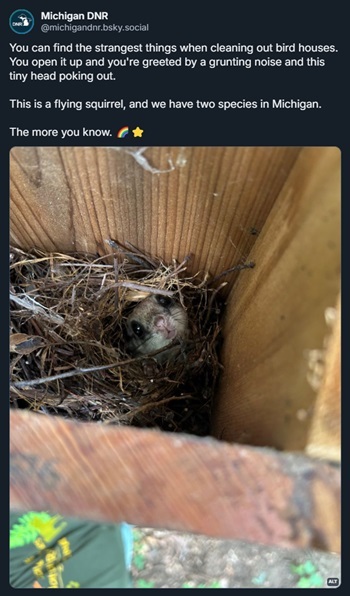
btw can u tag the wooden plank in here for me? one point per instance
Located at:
(172, 481)
(275, 315)
(324, 439)
(170, 201)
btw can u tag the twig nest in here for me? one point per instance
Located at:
(124, 338)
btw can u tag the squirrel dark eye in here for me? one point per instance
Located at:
(137, 328)
(164, 300)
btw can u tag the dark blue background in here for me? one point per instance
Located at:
(174, 23)
(307, 22)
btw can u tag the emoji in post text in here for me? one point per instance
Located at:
(123, 132)
(137, 132)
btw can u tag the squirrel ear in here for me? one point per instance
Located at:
(164, 300)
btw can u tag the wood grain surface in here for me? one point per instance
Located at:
(163, 480)
(208, 204)
(324, 440)
(276, 315)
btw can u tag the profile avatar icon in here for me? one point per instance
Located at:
(21, 21)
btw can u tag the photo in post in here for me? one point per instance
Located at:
(142, 281)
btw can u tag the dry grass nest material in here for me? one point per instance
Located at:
(67, 343)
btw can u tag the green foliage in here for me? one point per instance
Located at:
(137, 535)
(138, 550)
(142, 583)
(309, 577)
(314, 581)
(139, 561)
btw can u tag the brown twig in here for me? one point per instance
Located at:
(82, 369)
